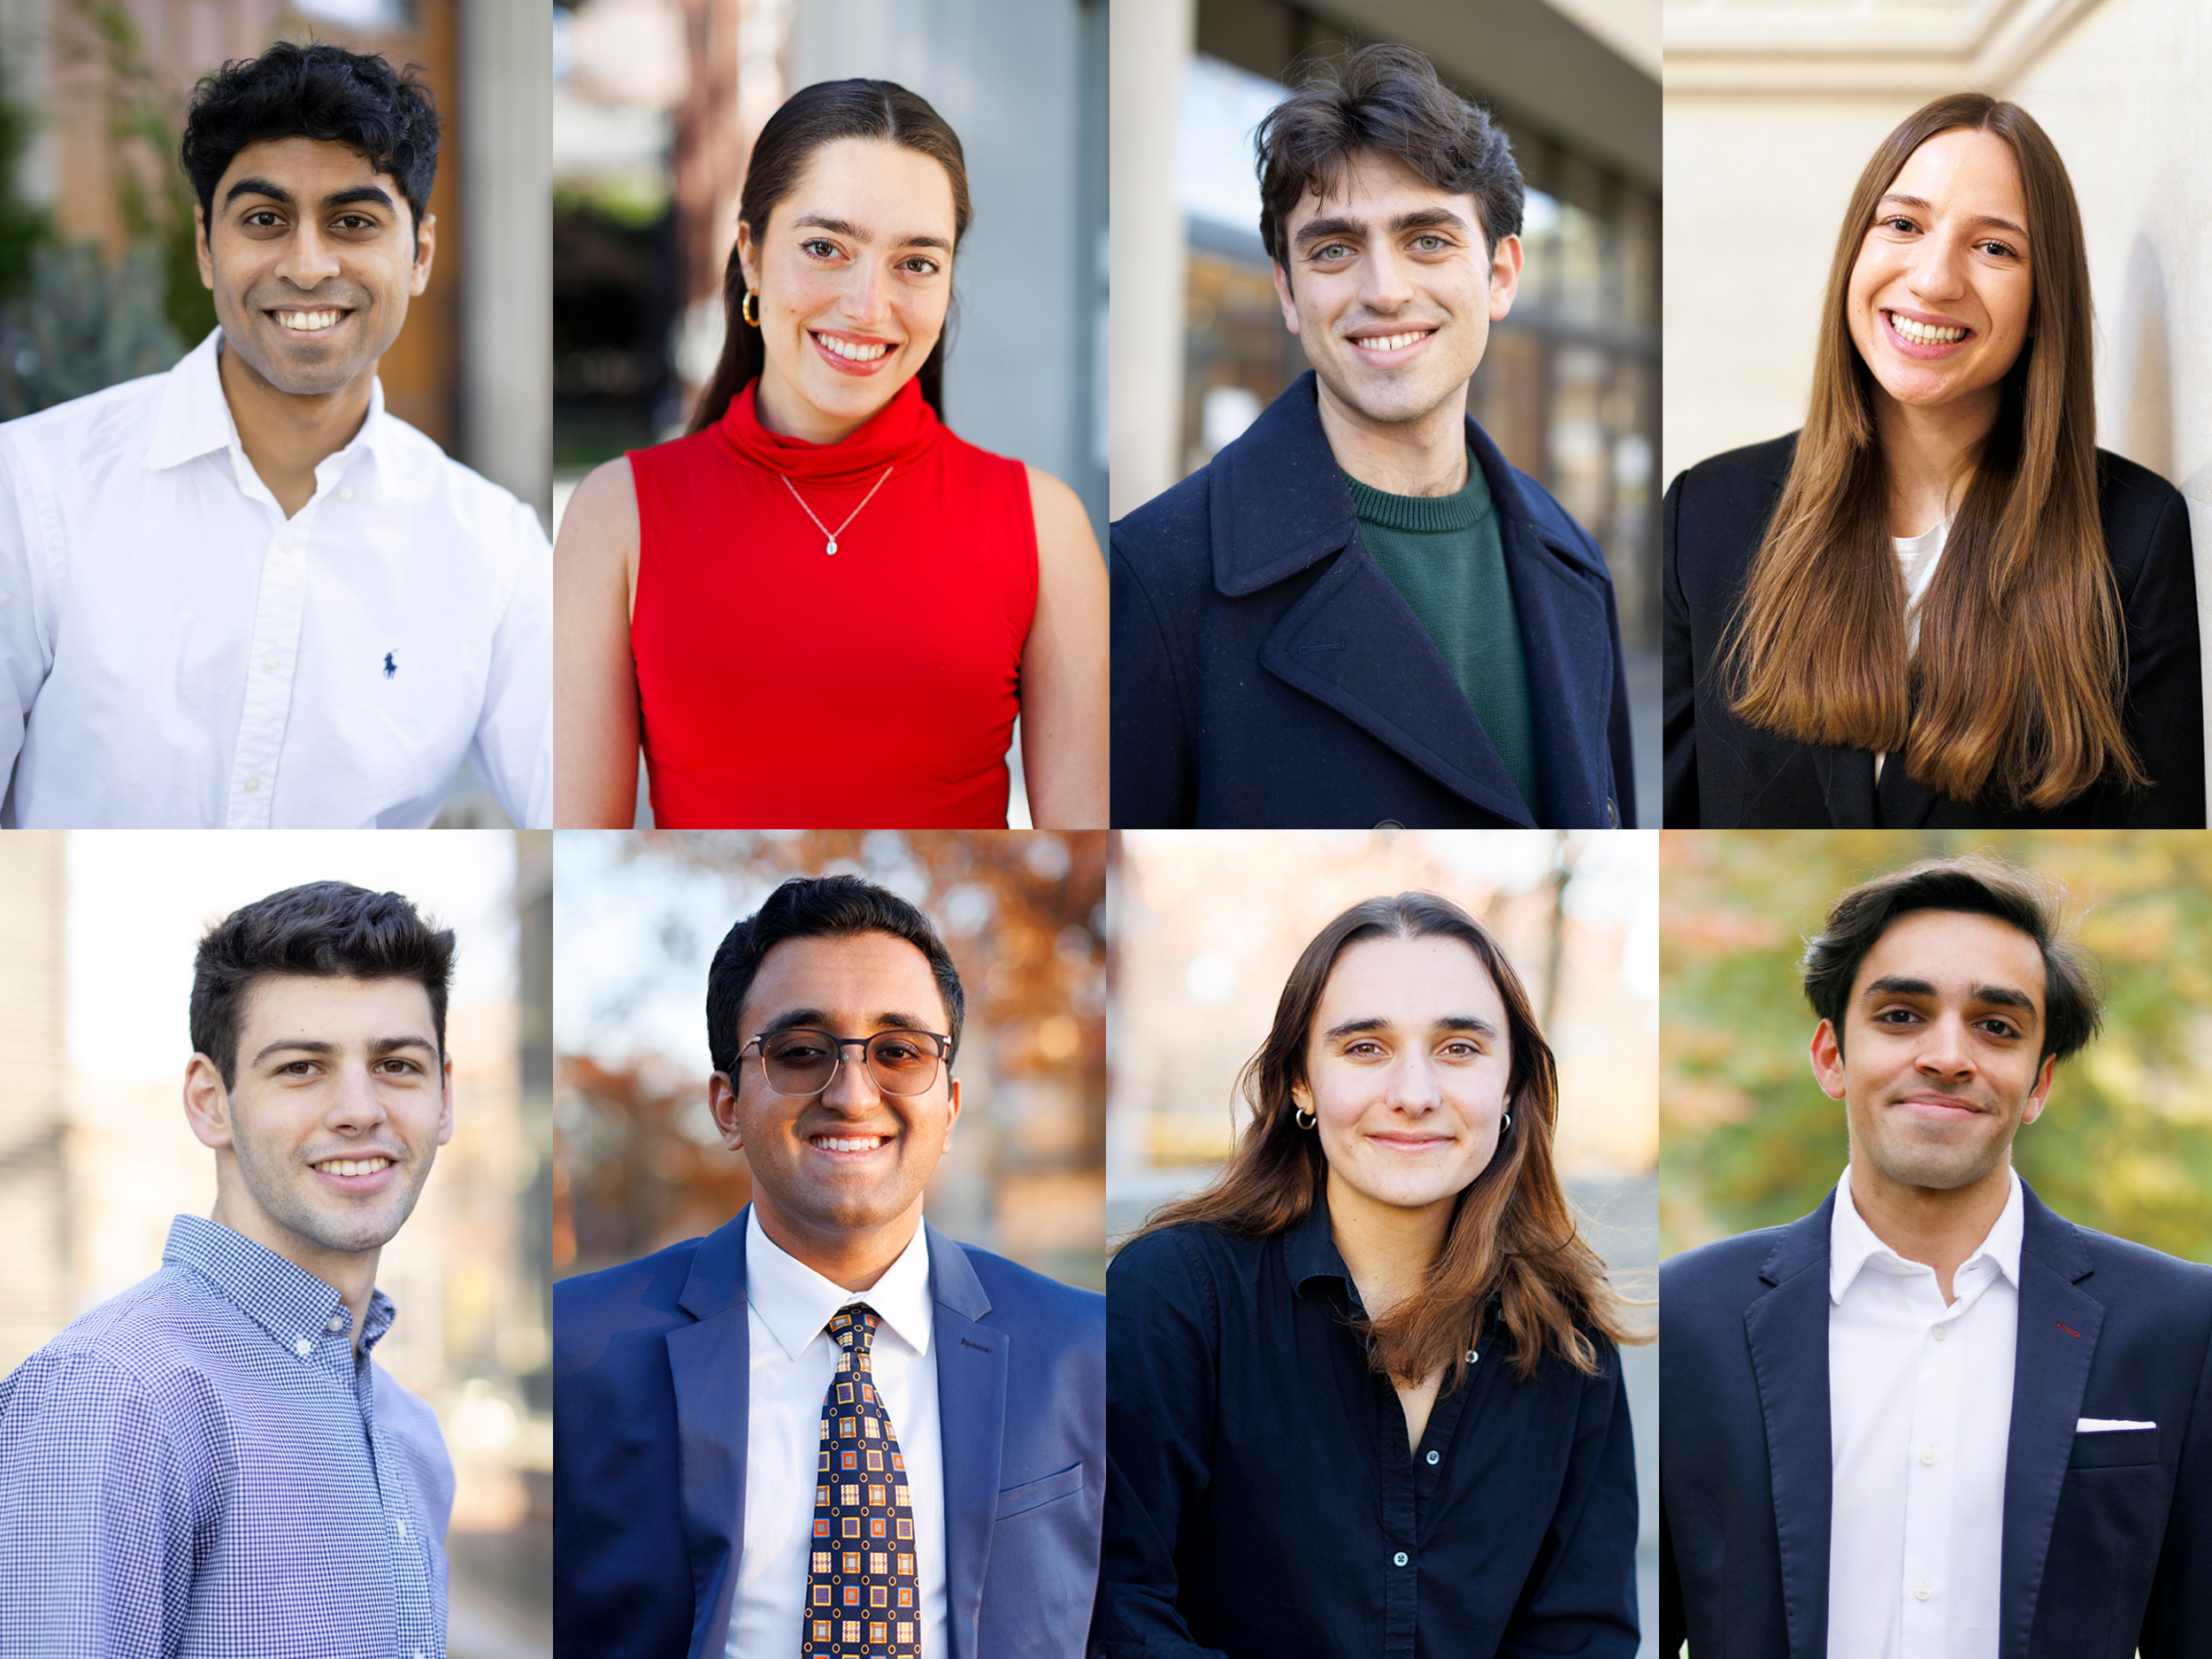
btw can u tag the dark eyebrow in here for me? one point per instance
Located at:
(361, 193)
(2001, 996)
(377, 1049)
(846, 228)
(816, 1019)
(1337, 225)
(337, 198)
(1997, 220)
(253, 186)
(1375, 1022)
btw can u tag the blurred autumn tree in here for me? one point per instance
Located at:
(1748, 1139)
(638, 1165)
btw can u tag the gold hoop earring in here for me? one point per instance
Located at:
(749, 309)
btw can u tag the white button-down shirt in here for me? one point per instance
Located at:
(787, 1307)
(175, 652)
(1920, 1417)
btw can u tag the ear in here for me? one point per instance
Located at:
(953, 1090)
(206, 1101)
(426, 249)
(748, 256)
(722, 1102)
(2041, 1094)
(445, 1102)
(1505, 276)
(1827, 1054)
(200, 250)
(1282, 293)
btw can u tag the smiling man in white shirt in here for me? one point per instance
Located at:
(1934, 1420)
(240, 594)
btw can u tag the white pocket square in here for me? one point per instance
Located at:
(2107, 1425)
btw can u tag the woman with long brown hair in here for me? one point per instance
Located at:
(1940, 604)
(1362, 1395)
(820, 606)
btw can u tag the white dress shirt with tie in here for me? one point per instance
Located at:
(174, 652)
(787, 1305)
(1920, 1419)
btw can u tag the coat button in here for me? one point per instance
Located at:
(1390, 823)
(1612, 813)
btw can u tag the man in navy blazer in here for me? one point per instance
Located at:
(1932, 1418)
(689, 1386)
(1357, 613)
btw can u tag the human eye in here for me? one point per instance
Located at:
(1331, 253)
(1997, 1025)
(796, 1046)
(1900, 224)
(1460, 1050)
(919, 264)
(1899, 1017)
(1997, 249)
(896, 1051)
(1429, 243)
(397, 1065)
(262, 218)
(819, 248)
(356, 222)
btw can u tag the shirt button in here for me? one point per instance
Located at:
(252, 784)
(403, 1528)
(272, 665)
(1398, 1560)
(1922, 1592)
(287, 544)
(1941, 1331)
(337, 1321)
(1927, 1455)
(1433, 1457)
(347, 495)
(303, 1346)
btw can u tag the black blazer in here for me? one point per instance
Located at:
(2108, 1536)
(1267, 673)
(1723, 774)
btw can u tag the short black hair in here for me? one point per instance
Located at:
(327, 930)
(1979, 886)
(1383, 98)
(317, 91)
(818, 907)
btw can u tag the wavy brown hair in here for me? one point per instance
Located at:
(809, 118)
(1511, 1235)
(2021, 661)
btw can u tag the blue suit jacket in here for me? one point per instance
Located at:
(650, 1368)
(1266, 672)
(2108, 1536)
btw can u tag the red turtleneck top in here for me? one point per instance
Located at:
(783, 687)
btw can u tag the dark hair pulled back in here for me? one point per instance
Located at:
(809, 118)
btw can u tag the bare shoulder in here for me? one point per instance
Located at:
(600, 523)
(1063, 529)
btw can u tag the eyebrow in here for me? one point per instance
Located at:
(348, 197)
(1375, 1022)
(1337, 225)
(1901, 985)
(377, 1049)
(846, 228)
(1921, 203)
(818, 1019)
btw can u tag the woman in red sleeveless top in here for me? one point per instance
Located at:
(820, 608)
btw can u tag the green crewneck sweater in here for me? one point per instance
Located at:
(1445, 555)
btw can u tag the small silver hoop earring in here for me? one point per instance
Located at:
(1507, 1124)
(749, 309)
(1305, 1119)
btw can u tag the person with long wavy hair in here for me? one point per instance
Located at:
(1940, 604)
(1363, 1392)
(820, 606)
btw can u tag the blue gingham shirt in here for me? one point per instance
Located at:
(201, 1468)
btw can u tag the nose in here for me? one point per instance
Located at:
(1945, 1052)
(854, 1087)
(1414, 1087)
(1938, 268)
(1386, 282)
(355, 1103)
(309, 256)
(867, 297)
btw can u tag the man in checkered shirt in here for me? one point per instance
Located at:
(211, 1466)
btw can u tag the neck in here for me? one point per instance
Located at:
(855, 1258)
(1928, 454)
(780, 410)
(1937, 1226)
(351, 1273)
(1425, 456)
(1388, 1249)
(286, 435)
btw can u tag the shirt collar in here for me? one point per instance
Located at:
(795, 1302)
(1309, 1251)
(195, 419)
(291, 1305)
(1852, 1244)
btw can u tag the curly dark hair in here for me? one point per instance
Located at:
(327, 930)
(1383, 98)
(315, 91)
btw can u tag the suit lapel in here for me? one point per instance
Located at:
(1787, 1331)
(710, 1363)
(972, 1423)
(1847, 786)
(2059, 1326)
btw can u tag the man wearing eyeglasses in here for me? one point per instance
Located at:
(826, 1429)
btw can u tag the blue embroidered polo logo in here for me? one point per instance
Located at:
(390, 667)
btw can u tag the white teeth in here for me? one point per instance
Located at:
(1392, 343)
(308, 322)
(848, 1143)
(1923, 333)
(352, 1166)
(846, 348)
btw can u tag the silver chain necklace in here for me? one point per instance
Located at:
(855, 513)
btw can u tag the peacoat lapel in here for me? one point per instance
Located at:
(971, 1422)
(1786, 1330)
(710, 1364)
(2057, 1342)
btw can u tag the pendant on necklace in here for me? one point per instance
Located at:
(832, 548)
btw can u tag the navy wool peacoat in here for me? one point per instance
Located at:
(1267, 673)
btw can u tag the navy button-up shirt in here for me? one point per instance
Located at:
(1261, 1498)
(204, 1468)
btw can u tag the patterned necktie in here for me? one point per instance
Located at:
(863, 1596)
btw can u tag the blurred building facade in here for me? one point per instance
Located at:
(106, 81)
(1568, 386)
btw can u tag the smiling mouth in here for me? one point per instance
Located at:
(848, 1144)
(1925, 334)
(305, 322)
(1379, 344)
(847, 349)
(353, 1166)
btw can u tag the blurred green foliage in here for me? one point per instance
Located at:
(1747, 1138)
(83, 327)
(24, 225)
